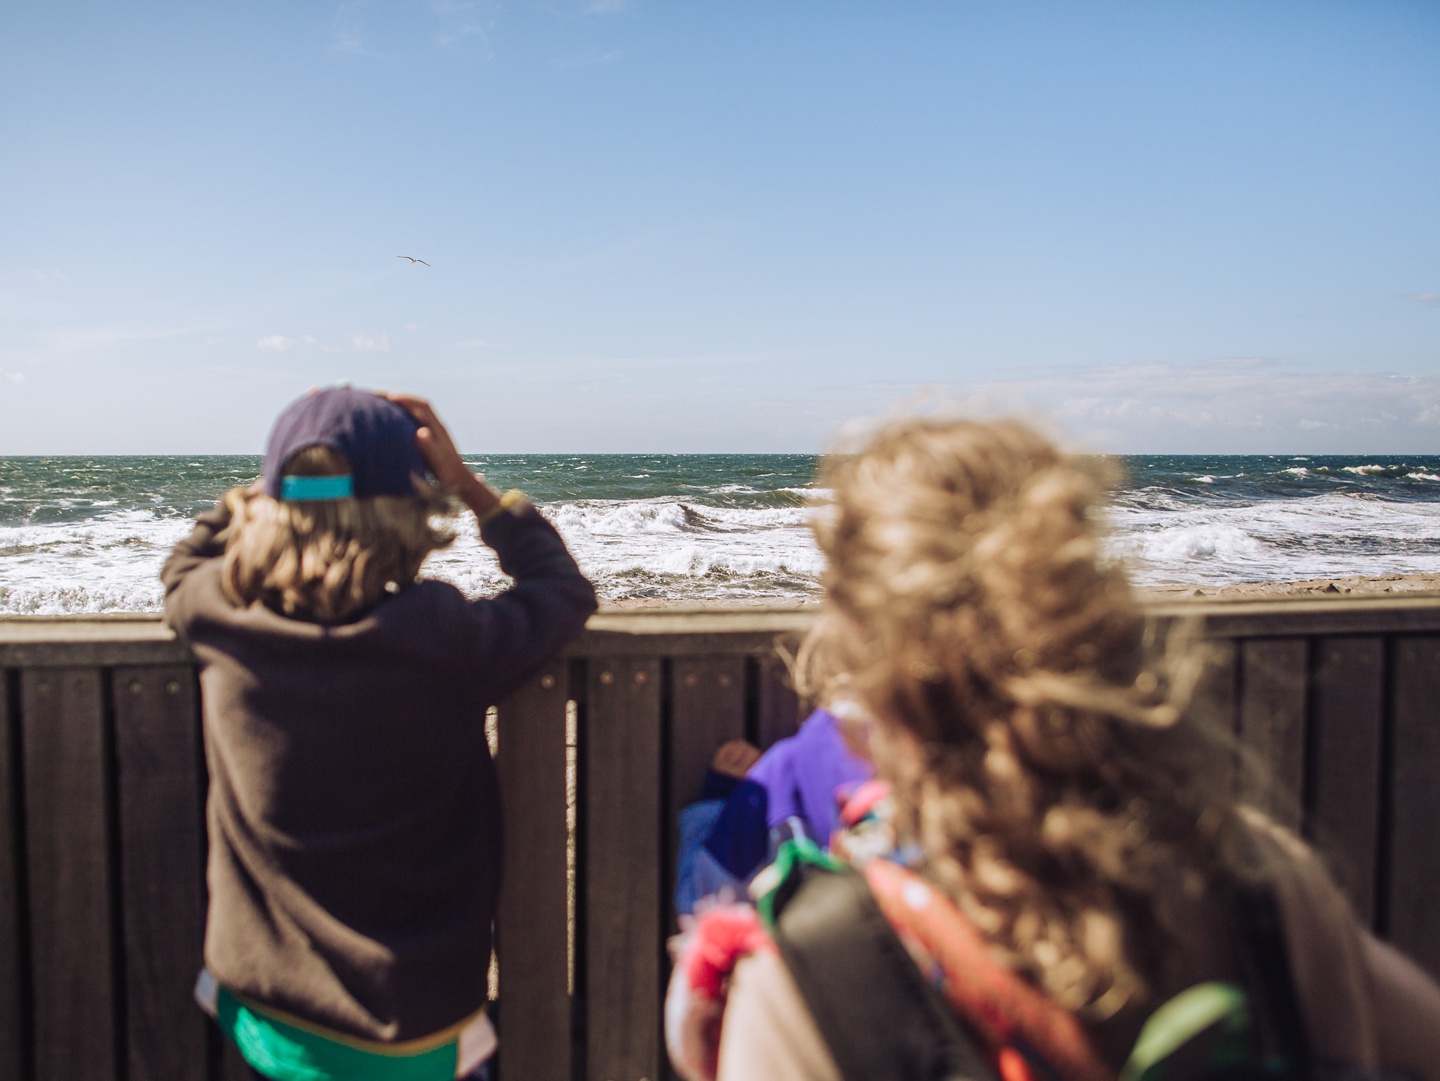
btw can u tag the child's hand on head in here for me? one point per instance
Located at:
(435, 444)
(735, 757)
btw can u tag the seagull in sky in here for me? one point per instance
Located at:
(413, 260)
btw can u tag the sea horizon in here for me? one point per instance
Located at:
(87, 533)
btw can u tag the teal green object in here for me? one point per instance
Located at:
(288, 1053)
(299, 489)
(790, 855)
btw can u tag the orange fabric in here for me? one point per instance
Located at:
(1012, 1065)
(997, 1002)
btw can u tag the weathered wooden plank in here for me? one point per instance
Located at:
(142, 639)
(14, 973)
(708, 708)
(88, 641)
(680, 620)
(1346, 737)
(624, 909)
(1216, 701)
(1414, 916)
(68, 789)
(626, 771)
(679, 644)
(531, 929)
(779, 706)
(157, 758)
(231, 1066)
(1287, 617)
(1273, 675)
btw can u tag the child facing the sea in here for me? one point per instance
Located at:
(353, 811)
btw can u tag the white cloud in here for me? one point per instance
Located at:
(1240, 405)
(414, 326)
(348, 41)
(459, 33)
(365, 343)
(464, 22)
(1425, 298)
(13, 377)
(359, 342)
(345, 30)
(85, 339)
(575, 63)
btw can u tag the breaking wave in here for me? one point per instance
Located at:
(85, 536)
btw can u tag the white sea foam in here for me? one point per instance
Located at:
(663, 548)
(107, 564)
(650, 547)
(730, 489)
(1208, 541)
(1205, 479)
(677, 548)
(1364, 470)
(1280, 540)
(1298, 470)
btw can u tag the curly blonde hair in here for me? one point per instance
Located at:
(327, 560)
(1048, 775)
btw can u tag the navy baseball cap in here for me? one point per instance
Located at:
(376, 436)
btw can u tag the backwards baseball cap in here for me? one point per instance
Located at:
(374, 434)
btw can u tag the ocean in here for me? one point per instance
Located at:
(82, 535)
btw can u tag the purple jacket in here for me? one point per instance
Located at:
(801, 775)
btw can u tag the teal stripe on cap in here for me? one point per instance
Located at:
(296, 489)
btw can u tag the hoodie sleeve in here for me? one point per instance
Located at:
(188, 556)
(520, 629)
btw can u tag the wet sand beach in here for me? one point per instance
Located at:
(1385, 585)
(1357, 586)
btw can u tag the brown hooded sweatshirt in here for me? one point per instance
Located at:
(353, 810)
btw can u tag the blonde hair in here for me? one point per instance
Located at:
(1047, 774)
(327, 560)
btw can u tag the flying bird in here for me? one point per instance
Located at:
(413, 260)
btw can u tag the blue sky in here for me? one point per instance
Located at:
(666, 226)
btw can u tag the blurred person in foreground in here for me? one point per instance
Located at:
(1068, 872)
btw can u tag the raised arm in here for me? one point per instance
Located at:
(201, 545)
(522, 627)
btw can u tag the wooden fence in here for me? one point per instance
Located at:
(102, 841)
